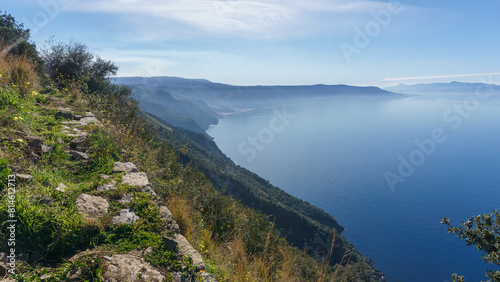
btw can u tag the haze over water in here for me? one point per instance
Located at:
(335, 155)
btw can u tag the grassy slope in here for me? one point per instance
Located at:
(236, 242)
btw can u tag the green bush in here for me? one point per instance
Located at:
(71, 64)
(483, 231)
(103, 153)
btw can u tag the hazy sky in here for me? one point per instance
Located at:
(252, 42)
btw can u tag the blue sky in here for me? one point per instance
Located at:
(255, 42)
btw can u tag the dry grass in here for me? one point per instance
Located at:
(184, 214)
(18, 72)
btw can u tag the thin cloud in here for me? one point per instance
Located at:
(235, 17)
(399, 79)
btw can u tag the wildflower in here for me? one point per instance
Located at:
(34, 93)
(20, 140)
(201, 271)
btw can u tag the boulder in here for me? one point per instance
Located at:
(78, 156)
(79, 143)
(35, 157)
(182, 277)
(185, 249)
(91, 205)
(106, 187)
(136, 179)
(46, 149)
(174, 227)
(64, 113)
(34, 142)
(125, 216)
(124, 167)
(165, 214)
(61, 187)
(129, 268)
(126, 198)
(87, 120)
(23, 177)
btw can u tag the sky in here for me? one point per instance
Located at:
(279, 42)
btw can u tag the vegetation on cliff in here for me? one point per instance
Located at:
(236, 242)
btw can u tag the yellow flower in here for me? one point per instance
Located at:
(34, 93)
(15, 118)
(20, 140)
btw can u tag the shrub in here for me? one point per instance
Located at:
(103, 153)
(71, 64)
(483, 231)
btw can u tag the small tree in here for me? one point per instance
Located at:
(14, 40)
(71, 63)
(483, 231)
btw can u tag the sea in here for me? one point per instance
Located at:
(388, 170)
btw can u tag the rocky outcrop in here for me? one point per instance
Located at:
(106, 187)
(120, 268)
(180, 243)
(79, 156)
(91, 205)
(136, 179)
(131, 266)
(124, 167)
(165, 214)
(125, 216)
(79, 143)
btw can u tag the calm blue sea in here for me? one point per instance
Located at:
(337, 154)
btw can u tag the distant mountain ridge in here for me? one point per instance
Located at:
(451, 88)
(195, 104)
